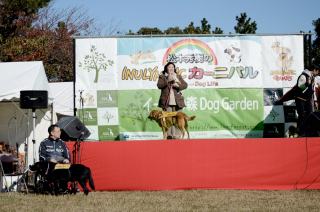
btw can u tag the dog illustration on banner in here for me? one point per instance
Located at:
(111, 133)
(139, 56)
(233, 54)
(284, 61)
(276, 97)
(89, 115)
(90, 99)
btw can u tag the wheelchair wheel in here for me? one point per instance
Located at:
(41, 186)
(38, 184)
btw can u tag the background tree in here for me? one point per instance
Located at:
(15, 12)
(191, 29)
(47, 37)
(149, 31)
(217, 31)
(205, 27)
(244, 26)
(173, 30)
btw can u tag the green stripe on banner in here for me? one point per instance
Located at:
(233, 110)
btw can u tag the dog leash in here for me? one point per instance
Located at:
(167, 103)
(47, 169)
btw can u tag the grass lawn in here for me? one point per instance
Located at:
(183, 200)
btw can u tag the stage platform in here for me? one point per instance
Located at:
(258, 164)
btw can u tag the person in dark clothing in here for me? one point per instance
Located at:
(53, 149)
(304, 93)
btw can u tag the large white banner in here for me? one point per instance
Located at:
(233, 83)
(210, 62)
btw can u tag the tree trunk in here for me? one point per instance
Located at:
(97, 76)
(144, 125)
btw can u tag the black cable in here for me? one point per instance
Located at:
(46, 116)
(20, 126)
(311, 182)
(81, 153)
(296, 184)
(9, 131)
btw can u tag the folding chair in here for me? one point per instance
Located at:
(20, 174)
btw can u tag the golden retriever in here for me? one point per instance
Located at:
(181, 119)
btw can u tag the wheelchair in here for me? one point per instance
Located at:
(43, 186)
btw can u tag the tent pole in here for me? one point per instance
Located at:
(15, 123)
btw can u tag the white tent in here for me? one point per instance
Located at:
(63, 98)
(16, 124)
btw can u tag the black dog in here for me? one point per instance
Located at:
(60, 177)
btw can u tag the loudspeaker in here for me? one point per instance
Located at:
(310, 127)
(72, 128)
(33, 99)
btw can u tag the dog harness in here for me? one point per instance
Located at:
(167, 114)
(164, 114)
(60, 166)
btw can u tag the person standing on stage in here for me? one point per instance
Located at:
(304, 93)
(171, 98)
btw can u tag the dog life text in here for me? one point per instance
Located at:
(227, 104)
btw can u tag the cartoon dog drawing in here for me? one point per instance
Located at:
(233, 54)
(283, 61)
(90, 99)
(89, 115)
(276, 97)
(111, 133)
(140, 56)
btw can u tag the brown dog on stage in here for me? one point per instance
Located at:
(180, 119)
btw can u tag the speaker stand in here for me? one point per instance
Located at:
(34, 134)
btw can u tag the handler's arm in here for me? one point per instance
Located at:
(183, 84)
(66, 153)
(43, 153)
(162, 82)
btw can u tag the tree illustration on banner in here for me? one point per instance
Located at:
(107, 116)
(273, 114)
(137, 112)
(96, 61)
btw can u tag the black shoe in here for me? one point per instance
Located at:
(169, 137)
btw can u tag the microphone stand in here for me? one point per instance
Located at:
(76, 160)
(81, 106)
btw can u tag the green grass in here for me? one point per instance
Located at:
(184, 200)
